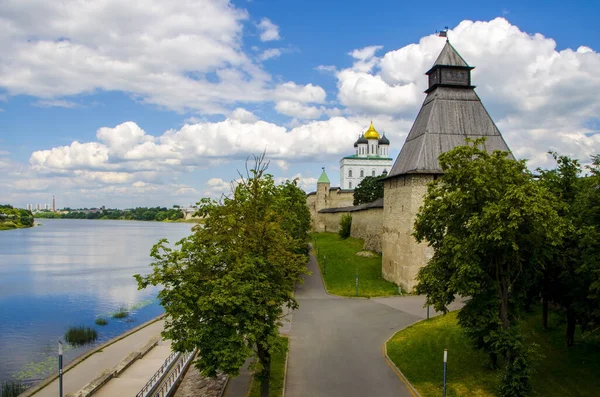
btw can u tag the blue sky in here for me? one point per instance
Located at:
(145, 103)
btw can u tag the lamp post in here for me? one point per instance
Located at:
(445, 365)
(60, 366)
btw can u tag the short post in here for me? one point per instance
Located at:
(445, 365)
(357, 281)
(60, 367)
(427, 312)
(324, 264)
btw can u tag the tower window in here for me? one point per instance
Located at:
(349, 173)
(362, 173)
(349, 185)
(373, 173)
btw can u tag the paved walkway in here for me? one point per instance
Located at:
(84, 372)
(336, 343)
(131, 381)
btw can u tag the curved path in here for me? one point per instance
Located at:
(336, 344)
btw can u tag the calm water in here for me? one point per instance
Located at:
(67, 272)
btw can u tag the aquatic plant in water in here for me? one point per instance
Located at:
(12, 388)
(80, 335)
(122, 312)
(101, 321)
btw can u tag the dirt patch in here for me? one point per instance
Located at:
(196, 385)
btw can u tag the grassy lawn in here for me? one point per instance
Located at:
(558, 370)
(277, 373)
(341, 263)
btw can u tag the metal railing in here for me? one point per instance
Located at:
(164, 380)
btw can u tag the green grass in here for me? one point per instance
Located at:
(80, 335)
(340, 265)
(277, 373)
(558, 370)
(122, 312)
(101, 321)
(12, 388)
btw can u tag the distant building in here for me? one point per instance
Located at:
(38, 207)
(370, 159)
(30, 207)
(53, 204)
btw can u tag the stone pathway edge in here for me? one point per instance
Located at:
(33, 390)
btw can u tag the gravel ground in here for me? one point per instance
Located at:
(196, 385)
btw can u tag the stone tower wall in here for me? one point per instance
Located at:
(402, 255)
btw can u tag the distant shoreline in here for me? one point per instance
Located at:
(194, 220)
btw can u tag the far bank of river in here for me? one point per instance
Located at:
(67, 273)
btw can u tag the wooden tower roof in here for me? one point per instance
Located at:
(451, 112)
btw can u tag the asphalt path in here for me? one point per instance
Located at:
(336, 344)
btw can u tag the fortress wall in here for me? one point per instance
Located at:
(402, 255)
(368, 226)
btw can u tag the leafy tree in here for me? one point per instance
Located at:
(225, 286)
(368, 190)
(569, 278)
(486, 219)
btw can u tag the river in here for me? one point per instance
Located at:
(67, 272)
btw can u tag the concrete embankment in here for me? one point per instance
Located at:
(92, 364)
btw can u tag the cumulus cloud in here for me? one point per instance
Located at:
(269, 31)
(243, 115)
(540, 97)
(183, 56)
(270, 53)
(298, 110)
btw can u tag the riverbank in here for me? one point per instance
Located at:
(85, 368)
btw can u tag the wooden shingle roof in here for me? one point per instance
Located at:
(447, 117)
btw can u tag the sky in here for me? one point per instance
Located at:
(154, 103)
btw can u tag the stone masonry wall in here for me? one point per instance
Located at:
(368, 226)
(402, 255)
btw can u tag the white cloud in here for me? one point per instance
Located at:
(59, 103)
(300, 93)
(243, 115)
(183, 56)
(270, 53)
(540, 97)
(269, 31)
(298, 110)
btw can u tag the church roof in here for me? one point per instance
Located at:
(383, 140)
(371, 133)
(448, 116)
(323, 178)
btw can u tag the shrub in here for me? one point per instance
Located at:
(80, 335)
(345, 226)
(101, 321)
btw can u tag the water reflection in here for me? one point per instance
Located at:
(67, 272)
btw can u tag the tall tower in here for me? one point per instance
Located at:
(53, 204)
(451, 112)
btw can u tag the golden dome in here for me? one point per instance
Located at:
(372, 133)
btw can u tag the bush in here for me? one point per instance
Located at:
(80, 335)
(345, 226)
(101, 321)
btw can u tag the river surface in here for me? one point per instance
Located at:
(68, 272)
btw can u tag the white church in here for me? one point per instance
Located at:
(371, 159)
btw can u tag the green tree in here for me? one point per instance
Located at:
(225, 286)
(368, 190)
(345, 226)
(487, 219)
